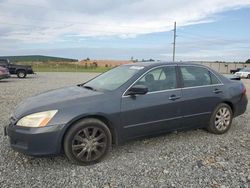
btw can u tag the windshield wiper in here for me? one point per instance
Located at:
(89, 87)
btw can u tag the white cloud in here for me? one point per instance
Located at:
(48, 21)
(53, 24)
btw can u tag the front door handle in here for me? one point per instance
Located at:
(174, 97)
(216, 91)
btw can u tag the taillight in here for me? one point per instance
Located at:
(242, 88)
(244, 91)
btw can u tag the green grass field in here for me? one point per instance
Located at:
(64, 67)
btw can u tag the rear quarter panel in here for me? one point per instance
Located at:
(234, 95)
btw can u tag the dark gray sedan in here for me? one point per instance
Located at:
(127, 102)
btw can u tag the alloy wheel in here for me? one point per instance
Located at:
(222, 119)
(89, 144)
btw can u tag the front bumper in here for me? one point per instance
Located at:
(4, 76)
(35, 141)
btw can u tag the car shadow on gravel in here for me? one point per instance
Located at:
(16, 79)
(26, 78)
(165, 140)
(5, 81)
(44, 161)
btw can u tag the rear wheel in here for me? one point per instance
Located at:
(248, 76)
(221, 119)
(87, 142)
(21, 74)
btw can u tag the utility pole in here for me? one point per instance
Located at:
(174, 41)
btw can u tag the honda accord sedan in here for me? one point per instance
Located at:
(128, 102)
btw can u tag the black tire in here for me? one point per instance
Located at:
(248, 76)
(87, 142)
(221, 119)
(21, 74)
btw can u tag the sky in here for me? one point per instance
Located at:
(209, 30)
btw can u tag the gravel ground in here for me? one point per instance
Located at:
(186, 159)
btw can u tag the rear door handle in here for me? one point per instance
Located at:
(174, 97)
(216, 91)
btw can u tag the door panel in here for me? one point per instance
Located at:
(156, 111)
(202, 92)
(198, 104)
(150, 113)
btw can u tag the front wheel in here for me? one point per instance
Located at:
(221, 119)
(21, 74)
(248, 76)
(87, 142)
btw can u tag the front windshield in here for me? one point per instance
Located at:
(114, 78)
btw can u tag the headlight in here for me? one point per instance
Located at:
(40, 119)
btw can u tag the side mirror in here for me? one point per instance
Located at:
(137, 90)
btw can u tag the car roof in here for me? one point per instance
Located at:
(157, 63)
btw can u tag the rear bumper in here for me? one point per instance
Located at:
(30, 71)
(241, 106)
(35, 141)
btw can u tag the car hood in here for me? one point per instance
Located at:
(53, 99)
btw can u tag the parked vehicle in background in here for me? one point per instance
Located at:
(125, 103)
(20, 70)
(232, 71)
(243, 73)
(4, 73)
(232, 77)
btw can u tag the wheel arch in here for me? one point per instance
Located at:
(18, 70)
(231, 105)
(99, 117)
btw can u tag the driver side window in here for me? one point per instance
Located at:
(159, 79)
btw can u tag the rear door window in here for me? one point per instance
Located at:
(197, 76)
